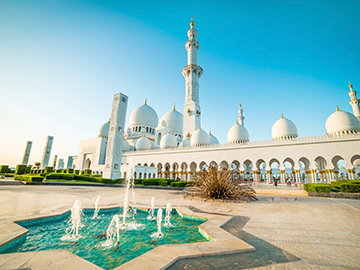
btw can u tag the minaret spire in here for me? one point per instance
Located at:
(241, 116)
(192, 72)
(354, 101)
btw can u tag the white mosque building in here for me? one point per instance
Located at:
(176, 147)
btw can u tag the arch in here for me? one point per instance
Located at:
(124, 175)
(135, 175)
(192, 170)
(336, 159)
(290, 160)
(258, 164)
(235, 165)
(87, 163)
(212, 164)
(183, 168)
(144, 175)
(353, 159)
(145, 165)
(152, 165)
(167, 169)
(140, 175)
(202, 165)
(159, 172)
(159, 138)
(306, 163)
(248, 169)
(224, 165)
(175, 169)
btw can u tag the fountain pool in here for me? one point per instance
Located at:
(134, 239)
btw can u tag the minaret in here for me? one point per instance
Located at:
(46, 153)
(192, 72)
(26, 156)
(354, 102)
(241, 116)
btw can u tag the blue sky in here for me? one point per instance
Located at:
(62, 61)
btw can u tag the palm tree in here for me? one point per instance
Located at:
(37, 165)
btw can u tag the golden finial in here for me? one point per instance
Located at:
(109, 120)
(169, 131)
(239, 104)
(350, 85)
(199, 126)
(237, 121)
(145, 101)
(210, 133)
(337, 108)
(144, 135)
(192, 24)
(282, 116)
(174, 107)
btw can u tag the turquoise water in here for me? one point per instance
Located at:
(133, 242)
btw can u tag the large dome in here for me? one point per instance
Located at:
(125, 146)
(143, 144)
(172, 120)
(199, 137)
(284, 129)
(104, 130)
(185, 143)
(168, 141)
(342, 122)
(212, 139)
(237, 134)
(143, 115)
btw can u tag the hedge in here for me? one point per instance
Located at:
(77, 172)
(138, 181)
(178, 184)
(69, 170)
(110, 181)
(28, 169)
(29, 178)
(4, 168)
(163, 183)
(150, 182)
(20, 169)
(350, 187)
(317, 188)
(49, 169)
(59, 176)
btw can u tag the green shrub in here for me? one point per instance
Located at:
(58, 171)
(163, 183)
(49, 169)
(77, 172)
(87, 178)
(110, 181)
(69, 170)
(4, 168)
(150, 182)
(96, 175)
(63, 176)
(29, 178)
(350, 187)
(87, 171)
(317, 188)
(138, 181)
(20, 169)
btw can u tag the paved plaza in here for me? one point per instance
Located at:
(287, 231)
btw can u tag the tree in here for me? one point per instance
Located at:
(37, 165)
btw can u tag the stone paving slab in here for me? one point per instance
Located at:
(322, 232)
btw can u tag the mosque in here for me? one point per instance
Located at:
(176, 147)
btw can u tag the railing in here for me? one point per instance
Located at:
(254, 143)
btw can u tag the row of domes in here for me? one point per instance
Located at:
(338, 122)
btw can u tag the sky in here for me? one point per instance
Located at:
(62, 61)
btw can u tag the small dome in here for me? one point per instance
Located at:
(213, 140)
(104, 130)
(342, 122)
(237, 134)
(356, 163)
(199, 137)
(185, 143)
(143, 115)
(143, 144)
(168, 141)
(173, 120)
(284, 129)
(125, 146)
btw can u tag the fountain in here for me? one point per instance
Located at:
(113, 231)
(152, 209)
(97, 207)
(158, 234)
(168, 215)
(72, 232)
